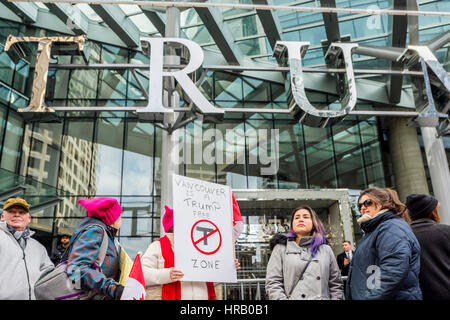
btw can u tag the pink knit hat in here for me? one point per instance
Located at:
(167, 219)
(105, 209)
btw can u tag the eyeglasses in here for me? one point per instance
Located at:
(366, 204)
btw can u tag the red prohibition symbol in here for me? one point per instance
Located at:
(207, 232)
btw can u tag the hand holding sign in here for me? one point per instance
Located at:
(175, 274)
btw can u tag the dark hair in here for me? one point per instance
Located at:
(317, 232)
(387, 198)
(347, 242)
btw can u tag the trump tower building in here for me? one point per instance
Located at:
(288, 102)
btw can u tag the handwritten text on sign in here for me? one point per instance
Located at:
(203, 230)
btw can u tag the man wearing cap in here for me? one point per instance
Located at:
(23, 259)
(434, 239)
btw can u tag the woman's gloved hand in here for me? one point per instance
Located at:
(118, 292)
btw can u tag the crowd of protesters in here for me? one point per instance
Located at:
(404, 254)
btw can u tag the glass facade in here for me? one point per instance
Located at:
(112, 154)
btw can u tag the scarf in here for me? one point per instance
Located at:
(20, 236)
(366, 217)
(172, 291)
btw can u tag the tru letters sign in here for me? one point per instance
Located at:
(289, 52)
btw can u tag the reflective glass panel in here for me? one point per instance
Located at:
(349, 161)
(77, 153)
(138, 160)
(200, 155)
(233, 170)
(372, 154)
(320, 158)
(11, 144)
(45, 152)
(292, 160)
(107, 165)
(262, 154)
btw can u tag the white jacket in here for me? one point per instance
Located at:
(20, 269)
(155, 275)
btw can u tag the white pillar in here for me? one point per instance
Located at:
(438, 168)
(170, 146)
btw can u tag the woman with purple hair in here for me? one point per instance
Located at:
(302, 265)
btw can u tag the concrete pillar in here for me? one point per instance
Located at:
(170, 144)
(406, 157)
(336, 228)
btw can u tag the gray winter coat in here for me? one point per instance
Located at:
(321, 280)
(20, 269)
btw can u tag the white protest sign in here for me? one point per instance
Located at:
(203, 234)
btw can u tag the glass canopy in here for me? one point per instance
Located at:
(249, 28)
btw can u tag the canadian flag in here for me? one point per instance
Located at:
(238, 222)
(135, 287)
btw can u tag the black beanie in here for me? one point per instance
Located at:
(420, 205)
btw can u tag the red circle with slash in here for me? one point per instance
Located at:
(214, 230)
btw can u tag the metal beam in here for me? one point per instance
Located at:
(330, 19)
(387, 53)
(72, 16)
(121, 66)
(213, 20)
(270, 23)
(14, 191)
(155, 19)
(399, 29)
(119, 23)
(182, 4)
(46, 20)
(413, 22)
(315, 79)
(371, 91)
(26, 11)
(439, 41)
(45, 205)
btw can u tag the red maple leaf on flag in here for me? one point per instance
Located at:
(141, 298)
(135, 286)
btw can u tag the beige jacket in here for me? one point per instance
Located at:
(321, 280)
(156, 275)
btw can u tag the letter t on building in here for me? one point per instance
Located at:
(42, 63)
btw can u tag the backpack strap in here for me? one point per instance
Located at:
(103, 248)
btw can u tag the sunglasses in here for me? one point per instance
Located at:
(366, 204)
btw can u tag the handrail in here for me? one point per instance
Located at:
(240, 285)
